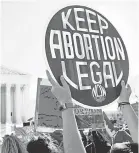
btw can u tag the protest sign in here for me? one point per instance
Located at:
(89, 118)
(48, 114)
(86, 111)
(85, 47)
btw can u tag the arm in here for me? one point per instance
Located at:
(128, 112)
(132, 121)
(71, 136)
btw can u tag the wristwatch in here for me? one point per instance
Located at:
(66, 106)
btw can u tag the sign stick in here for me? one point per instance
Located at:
(37, 104)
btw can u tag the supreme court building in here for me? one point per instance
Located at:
(14, 96)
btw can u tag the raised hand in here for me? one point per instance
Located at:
(125, 93)
(62, 93)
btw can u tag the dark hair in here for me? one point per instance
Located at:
(124, 148)
(101, 145)
(38, 146)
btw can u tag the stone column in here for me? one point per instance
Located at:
(3, 104)
(25, 103)
(23, 111)
(18, 100)
(0, 102)
(0, 115)
(8, 103)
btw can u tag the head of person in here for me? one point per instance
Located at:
(125, 148)
(11, 144)
(38, 146)
(42, 145)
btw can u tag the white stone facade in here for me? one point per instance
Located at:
(14, 96)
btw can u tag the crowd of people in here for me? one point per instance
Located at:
(75, 141)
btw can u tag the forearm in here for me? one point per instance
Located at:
(132, 121)
(71, 135)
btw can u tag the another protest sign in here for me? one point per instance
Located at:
(85, 47)
(48, 114)
(89, 118)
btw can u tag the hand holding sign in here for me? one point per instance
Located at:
(125, 93)
(62, 94)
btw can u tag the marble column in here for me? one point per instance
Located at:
(25, 103)
(3, 104)
(0, 116)
(18, 100)
(0, 102)
(8, 103)
(23, 113)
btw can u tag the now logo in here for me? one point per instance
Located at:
(99, 93)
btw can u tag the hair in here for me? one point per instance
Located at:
(38, 146)
(11, 144)
(101, 145)
(43, 144)
(125, 148)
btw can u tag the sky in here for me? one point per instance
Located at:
(23, 27)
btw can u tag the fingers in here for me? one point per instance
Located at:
(129, 88)
(64, 83)
(50, 78)
(123, 84)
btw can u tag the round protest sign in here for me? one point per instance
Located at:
(84, 47)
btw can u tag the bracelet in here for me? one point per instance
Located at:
(123, 103)
(66, 106)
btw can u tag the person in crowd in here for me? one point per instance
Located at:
(98, 143)
(132, 122)
(90, 136)
(122, 136)
(38, 146)
(90, 148)
(11, 144)
(125, 148)
(43, 145)
(128, 112)
(71, 136)
(84, 139)
(101, 145)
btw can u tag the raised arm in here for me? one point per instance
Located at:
(71, 136)
(128, 112)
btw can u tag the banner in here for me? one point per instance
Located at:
(86, 111)
(89, 118)
(84, 47)
(48, 114)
